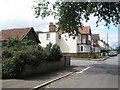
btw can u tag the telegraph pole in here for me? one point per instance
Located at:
(107, 43)
(107, 40)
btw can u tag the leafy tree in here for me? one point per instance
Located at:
(71, 14)
(17, 43)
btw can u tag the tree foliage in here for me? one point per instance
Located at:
(71, 14)
(17, 44)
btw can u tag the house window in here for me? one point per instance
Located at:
(59, 36)
(48, 36)
(81, 48)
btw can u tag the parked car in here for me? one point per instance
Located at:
(112, 53)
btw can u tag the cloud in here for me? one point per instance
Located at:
(112, 38)
(97, 32)
(18, 14)
(101, 27)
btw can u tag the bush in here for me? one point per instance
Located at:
(53, 52)
(16, 58)
(95, 56)
(13, 67)
(6, 54)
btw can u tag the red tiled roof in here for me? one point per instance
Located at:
(85, 30)
(17, 32)
(95, 37)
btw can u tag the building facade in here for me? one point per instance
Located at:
(79, 46)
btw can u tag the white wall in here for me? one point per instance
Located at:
(79, 39)
(97, 49)
(86, 48)
(83, 38)
(67, 45)
(44, 41)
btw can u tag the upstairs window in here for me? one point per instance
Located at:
(59, 36)
(48, 36)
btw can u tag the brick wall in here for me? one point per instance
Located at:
(81, 55)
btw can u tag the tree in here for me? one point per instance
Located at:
(17, 43)
(71, 14)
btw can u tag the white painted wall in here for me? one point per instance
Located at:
(67, 44)
(97, 49)
(79, 39)
(83, 38)
(44, 41)
(86, 48)
(102, 44)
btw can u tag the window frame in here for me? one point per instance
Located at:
(48, 36)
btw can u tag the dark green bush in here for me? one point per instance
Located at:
(13, 67)
(95, 56)
(53, 52)
(6, 53)
(16, 58)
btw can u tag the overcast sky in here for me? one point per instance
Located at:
(19, 14)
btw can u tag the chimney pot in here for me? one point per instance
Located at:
(51, 27)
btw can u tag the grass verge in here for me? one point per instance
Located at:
(80, 58)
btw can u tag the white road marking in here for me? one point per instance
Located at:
(83, 70)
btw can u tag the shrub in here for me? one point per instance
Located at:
(13, 67)
(95, 56)
(17, 57)
(55, 53)
(7, 54)
(52, 52)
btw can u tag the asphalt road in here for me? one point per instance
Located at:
(97, 74)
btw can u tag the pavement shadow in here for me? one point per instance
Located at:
(52, 74)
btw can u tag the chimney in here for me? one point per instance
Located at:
(51, 27)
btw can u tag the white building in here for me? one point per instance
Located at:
(80, 46)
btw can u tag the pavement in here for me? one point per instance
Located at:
(34, 83)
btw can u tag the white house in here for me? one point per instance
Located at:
(80, 46)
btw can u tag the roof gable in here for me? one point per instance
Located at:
(85, 30)
(95, 37)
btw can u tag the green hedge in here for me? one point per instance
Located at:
(14, 61)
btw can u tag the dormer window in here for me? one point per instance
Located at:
(48, 36)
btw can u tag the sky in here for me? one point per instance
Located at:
(19, 14)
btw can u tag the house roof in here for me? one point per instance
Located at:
(20, 33)
(16, 32)
(95, 37)
(85, 30)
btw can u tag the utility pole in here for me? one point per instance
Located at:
(107, 40)
(107, 43)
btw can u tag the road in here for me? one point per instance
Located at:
(97, 74)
